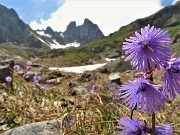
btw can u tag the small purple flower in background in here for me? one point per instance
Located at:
(34, 88)
(41, 87)
(26, 67)
(130, 127)
(148, 48)
(26, 76)
(161, 130)
(21, 72)
(171, 78)
(87, 80)
(86, 86)
(16, 67)
(113, 86)
(36, 78)
(91, 77)
(47, 82)
(8, 79)
(142, 94)
(71, 83)
(93, 89)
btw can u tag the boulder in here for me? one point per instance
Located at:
(119, 65)
(6, 69)
(78, 91)
(115, 78)
(52, 127)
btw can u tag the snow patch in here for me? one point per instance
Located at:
(56, 45)
(78, 69)
(110, 59)
(61, 34)
(43, 34)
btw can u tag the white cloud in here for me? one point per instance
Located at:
(175, 1)
(109, 15)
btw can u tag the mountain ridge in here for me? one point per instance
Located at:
(13, 29)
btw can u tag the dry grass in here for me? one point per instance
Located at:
(95, 114)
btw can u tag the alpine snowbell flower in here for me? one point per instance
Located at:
(161, 130)
(171, 77)
(36, 78)
(16, 67)
(142, 94)
(8, 79)
(147, 48)
(130, 127)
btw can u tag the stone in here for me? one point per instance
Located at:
(119, 65)
(115, 78)
(78, 91)
(54, 74)
(6, 69)
(52, 127)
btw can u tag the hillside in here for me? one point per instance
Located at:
(167, 19)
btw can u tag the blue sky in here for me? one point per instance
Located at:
(109, 15)
(30, 10)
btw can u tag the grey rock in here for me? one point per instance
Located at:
(53, 127)
(114, 55)
(78, 91)
(6, 69)
(39, 128)
(119, 65)
(115, 78)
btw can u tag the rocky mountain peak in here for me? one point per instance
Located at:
(49, 30)
(87, 22)
(13, 29)
(72, 25)
(84, 33)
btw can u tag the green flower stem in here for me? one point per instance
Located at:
(153, 124)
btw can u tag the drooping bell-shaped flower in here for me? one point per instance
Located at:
(171, 77)
(161, 130)
(147, 48)
(130, 127)
(141, 94)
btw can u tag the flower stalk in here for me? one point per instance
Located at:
(153, 124)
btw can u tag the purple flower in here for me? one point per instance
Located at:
(91, 77)
(142, 94)
(161, 130)
(130, 127)
(71, 83)
(93, 89)
(21, 72)
(16, 67)
(41, 87)
(26, 67)
(146, 48)
(8, 79)
(171, 77)
(26, 76)
(34, 88)
(86, 86)
(113, 86)
(36, 78)
(47, 82)
(87, 80)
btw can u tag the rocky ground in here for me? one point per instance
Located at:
(90, 98)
